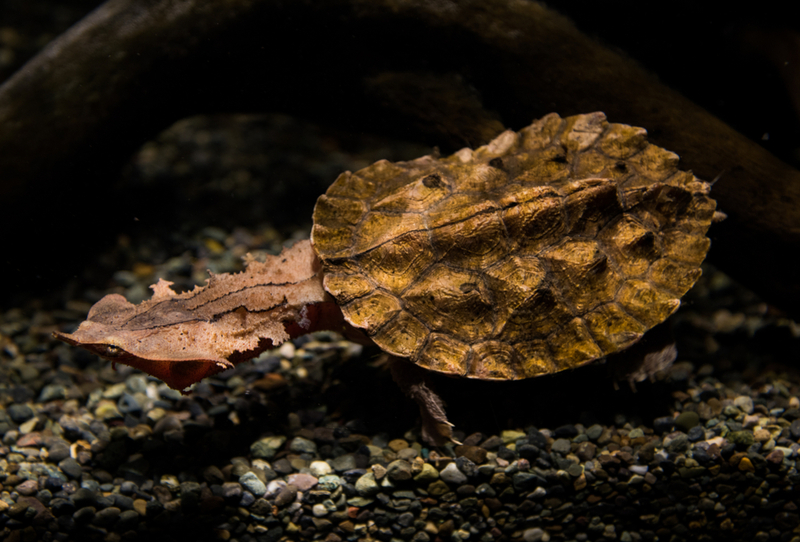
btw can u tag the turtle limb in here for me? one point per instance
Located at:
(415, 383)
(655, 353)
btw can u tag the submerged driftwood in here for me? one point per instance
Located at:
(450, 74)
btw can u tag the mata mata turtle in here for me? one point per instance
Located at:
(542, 251)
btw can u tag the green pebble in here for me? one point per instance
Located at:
(686, 420)
(267, 447)
(743, 438)
(511, 436)
(428, 474)
(438, 488)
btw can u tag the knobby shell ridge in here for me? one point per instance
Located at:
(541, 251)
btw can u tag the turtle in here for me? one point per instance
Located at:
(544, 250)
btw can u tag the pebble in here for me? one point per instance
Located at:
(302, 481)
(561, 446)
(70, 467)
(366, 485)
(676, 442)
(452, 475)
(398, 470)
(286, 495)
(794, 429)
(303, 446)
(253, 484)
(744, 403)
(320, 468)
(267, 447)
(343, 463)
(427, 474)
(535, 535)
(19, 413)
(686, 420)
(476, 454)
(319, 510)
(329, 482)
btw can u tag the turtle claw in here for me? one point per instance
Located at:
(436, 429)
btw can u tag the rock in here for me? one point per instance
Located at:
(493, 442)
(635, 433)
(106, 517)
(140, 506)
(107, 410)
(71, 468)
(438, 488)
(676, 442)
(696, 433)
(320, 468)
(775, 457)
(594, 431)
(452, 475)
(251, 483)
(58, 452)
(407, 454)
(366, 485)
(319, 510)
(301, 445)
(585, 451)
(794, 429)
(213, 475)
(535, 535)
(527, 481)
(744, 403)
(28, 487)
(476, 454)
(231, 491)
(19, 413)
(343, 463)
(510, 436)
(745, 465)
(52, 392)
(329, 482)
(741, 438)
(84, 515)
(267, 447)
(399, 470)
(427, 474)
(84, 497)
(287, 495)
(687, 420)
(379, 471)
(561, 446)
(302, 481)
(397, 444)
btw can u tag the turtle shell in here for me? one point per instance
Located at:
(541, 251)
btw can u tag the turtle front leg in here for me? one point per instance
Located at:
(415, 383)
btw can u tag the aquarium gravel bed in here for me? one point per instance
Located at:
(312, 441)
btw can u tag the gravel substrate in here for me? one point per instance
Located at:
(312, 440)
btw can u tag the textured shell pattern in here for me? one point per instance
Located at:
(541, 251)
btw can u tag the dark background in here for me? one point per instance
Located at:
(738, 63)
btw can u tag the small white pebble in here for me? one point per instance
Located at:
(319, 510)
(320, 468)
(451, 474)
(286, 350)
